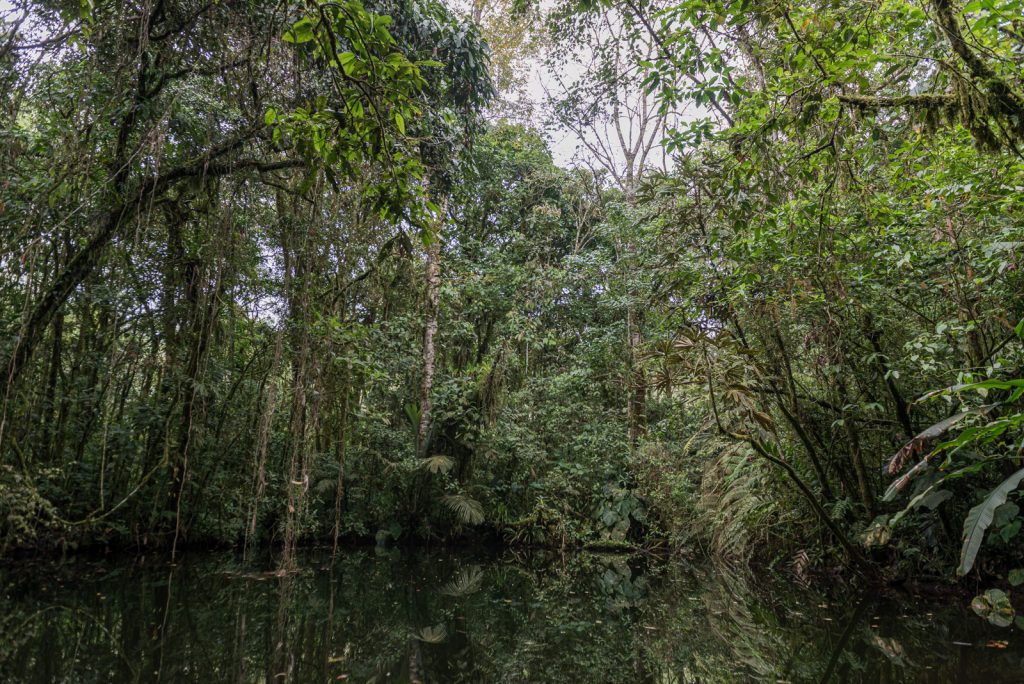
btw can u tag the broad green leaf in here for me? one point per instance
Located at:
(930, 498)
(1016, 577)
(300, 32)
(980, 517)
(994, 605)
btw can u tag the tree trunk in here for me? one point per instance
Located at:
(638, 379)
(52, 377)
(433, 278)
(339, 486)
(77, 270)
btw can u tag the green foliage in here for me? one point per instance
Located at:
(994, 605)
(467, 509)
(620, 511)
(373, 89)
(981, 516)
(216, 309)
(27, 519)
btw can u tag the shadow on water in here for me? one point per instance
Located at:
(387, 616)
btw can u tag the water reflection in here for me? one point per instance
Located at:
(414, 617)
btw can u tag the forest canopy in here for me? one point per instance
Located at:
(302, 271)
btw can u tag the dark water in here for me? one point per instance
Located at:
(400, 617)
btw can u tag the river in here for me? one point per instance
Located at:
(383, 615)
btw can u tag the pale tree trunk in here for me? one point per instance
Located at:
(298, 257)
(637, 378)
(433, 278)
(263, 430)
(637, 401)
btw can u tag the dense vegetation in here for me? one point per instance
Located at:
(276, 272)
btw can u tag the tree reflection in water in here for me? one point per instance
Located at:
(389, 616)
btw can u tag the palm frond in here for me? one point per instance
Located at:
(466, 582)
(467, 509)
(438, 464)
(432, 635)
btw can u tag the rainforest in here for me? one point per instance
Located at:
(610, 323)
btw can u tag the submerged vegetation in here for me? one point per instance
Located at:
(286, 272)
